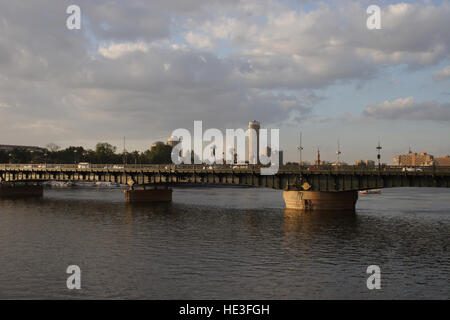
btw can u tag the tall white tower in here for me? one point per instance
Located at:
(253, 142)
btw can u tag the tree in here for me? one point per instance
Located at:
(53, 147)
(105, 153)
(159, 154)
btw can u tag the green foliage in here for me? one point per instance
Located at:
(103, 153)
(159, 154)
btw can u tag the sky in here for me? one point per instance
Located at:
(142, 69)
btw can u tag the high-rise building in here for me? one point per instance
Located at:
(414, 159)
(253, 141)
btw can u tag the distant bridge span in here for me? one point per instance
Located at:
(305, 187)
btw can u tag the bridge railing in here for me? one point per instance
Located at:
(360, 169)
(308, 169)
(85, 166)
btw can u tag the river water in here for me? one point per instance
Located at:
(224, 243)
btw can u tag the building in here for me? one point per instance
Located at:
(173, 141)
(317, 162)
(253, 141)
(442, 161)
(9, 148)
(338, 164)
(267, 151)
(413, 159)
(365, 163)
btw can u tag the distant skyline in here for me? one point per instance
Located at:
(142, 69)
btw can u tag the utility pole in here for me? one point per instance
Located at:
(300, 149)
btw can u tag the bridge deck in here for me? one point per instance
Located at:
(288, 177)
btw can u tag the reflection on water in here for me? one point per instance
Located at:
(224, 243)
(300, 221)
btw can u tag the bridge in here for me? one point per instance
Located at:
(305, 187)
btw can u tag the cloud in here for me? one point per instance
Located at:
(114, 51)
(198, 41)
(285, 48)
(408, 109)
(442, 75)
(144, 68)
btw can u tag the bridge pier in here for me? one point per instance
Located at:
(320, 200)
(14, 190)
(146, 194)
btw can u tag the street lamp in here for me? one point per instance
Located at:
(379, 155)
(213, 148)
(338, 153)
(300, 149)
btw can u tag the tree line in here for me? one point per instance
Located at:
(103, 153)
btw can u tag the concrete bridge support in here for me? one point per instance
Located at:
(320, 200)
(12, 190)
(149, 194)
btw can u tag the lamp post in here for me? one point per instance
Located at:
(338, 153)
(379, 155)
(124, 157)
(213, 148)
(300, 149)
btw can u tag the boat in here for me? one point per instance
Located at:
(371, 191)
(58, 184)
(103, 184)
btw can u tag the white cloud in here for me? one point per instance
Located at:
(199, 41)
(4, 105)
(291, 49)
(442, 75)
(117, 50)
(408, 109)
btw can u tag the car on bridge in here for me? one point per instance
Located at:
(84, 165)
(411, 169)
